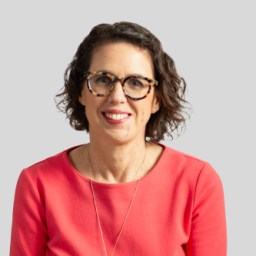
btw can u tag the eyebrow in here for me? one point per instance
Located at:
(111, 73)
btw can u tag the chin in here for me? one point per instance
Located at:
(120, 137)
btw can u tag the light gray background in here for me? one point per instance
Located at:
(213, 44)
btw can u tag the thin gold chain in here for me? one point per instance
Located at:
(127, 213)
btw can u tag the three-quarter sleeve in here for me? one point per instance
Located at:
(29, 231)
(208, 226)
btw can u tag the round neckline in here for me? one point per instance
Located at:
(111, 185)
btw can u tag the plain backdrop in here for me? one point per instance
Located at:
(213, 45)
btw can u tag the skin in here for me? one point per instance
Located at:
(113, 142)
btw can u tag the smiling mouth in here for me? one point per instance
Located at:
(116, 116)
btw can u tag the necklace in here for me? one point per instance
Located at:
(127, 213)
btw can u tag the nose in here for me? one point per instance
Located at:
(117, 95)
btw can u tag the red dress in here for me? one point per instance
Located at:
(178, 210)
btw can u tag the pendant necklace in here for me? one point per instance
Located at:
(128, 210)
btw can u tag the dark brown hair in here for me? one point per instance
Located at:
(170, 92)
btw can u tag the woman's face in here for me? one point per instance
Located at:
(115, 116)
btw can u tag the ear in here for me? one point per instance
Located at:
(81, 98)
(155, 105)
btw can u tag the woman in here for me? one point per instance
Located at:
(123, 193)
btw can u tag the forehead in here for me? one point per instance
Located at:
(121, 58)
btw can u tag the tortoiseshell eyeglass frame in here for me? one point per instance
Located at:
(88, 75)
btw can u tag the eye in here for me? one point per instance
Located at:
(135, 83)
(103, 80)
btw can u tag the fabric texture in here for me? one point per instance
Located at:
(178, 210)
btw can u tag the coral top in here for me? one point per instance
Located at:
(178, 210)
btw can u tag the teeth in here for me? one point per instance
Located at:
(116, 116)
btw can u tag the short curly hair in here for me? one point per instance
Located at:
(171, 90)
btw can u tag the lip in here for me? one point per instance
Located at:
(116, 116)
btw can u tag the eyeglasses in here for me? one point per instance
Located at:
(135, 87)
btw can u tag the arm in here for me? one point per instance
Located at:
(208, 228)
(29, 232)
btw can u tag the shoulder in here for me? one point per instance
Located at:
(191, 167)
(47, 168)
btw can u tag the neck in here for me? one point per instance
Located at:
(116, 163)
